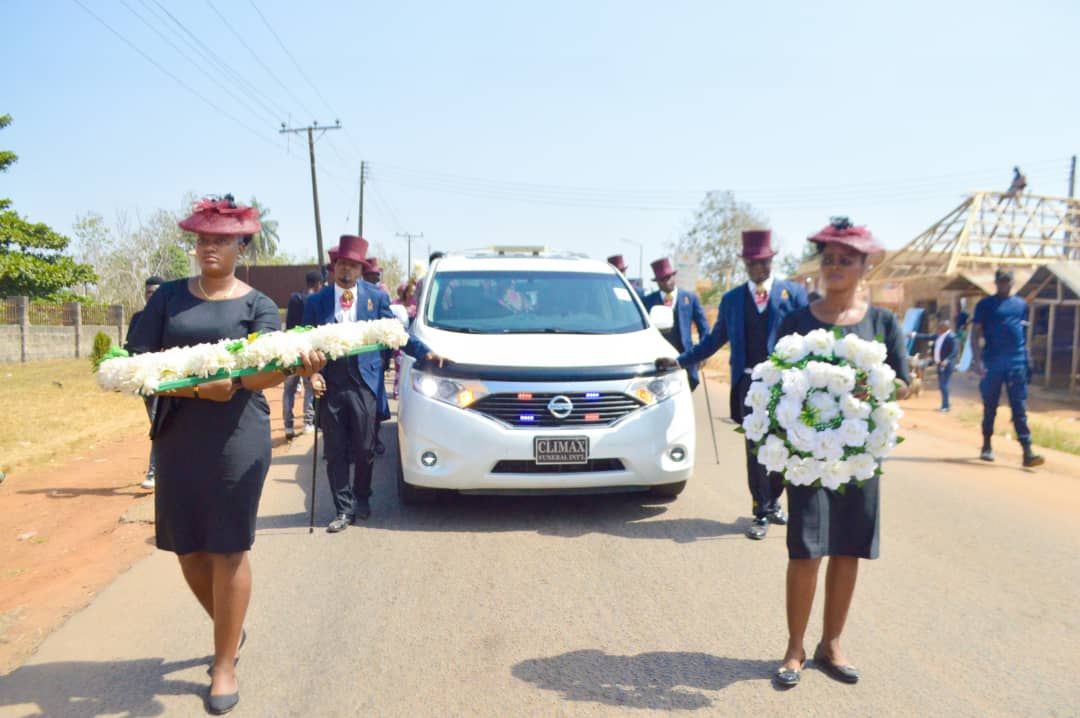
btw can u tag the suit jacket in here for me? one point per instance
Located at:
(948, 348)
(371, 303)
(785, 298)
(687, 309)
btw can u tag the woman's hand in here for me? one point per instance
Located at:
(221, 390)
(314, 361)
(318, 385)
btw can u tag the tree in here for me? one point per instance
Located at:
(716, 237)
(789, 263)
(393, 274)
(32, 262)
(265, 242)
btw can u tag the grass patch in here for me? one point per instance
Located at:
(55, 409)
(1060, 435)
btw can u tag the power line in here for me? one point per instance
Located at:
(176, 79)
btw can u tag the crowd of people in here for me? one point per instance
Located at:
(211, 443)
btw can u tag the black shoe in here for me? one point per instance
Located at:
(1032, 460)
(987, 454)
(777, 517)
(789, 677)
(339, 524)
(290, 435)
(220, 705)
(844, 674)
(759, 529)
(362, 510)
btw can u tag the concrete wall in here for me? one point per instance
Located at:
(45, 342)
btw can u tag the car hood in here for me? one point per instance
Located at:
(549, 350)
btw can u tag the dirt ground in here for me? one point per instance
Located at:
(68, 528)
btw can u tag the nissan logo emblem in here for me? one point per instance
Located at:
(560, 407)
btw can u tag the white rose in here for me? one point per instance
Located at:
(817, 374)
(879, 443)
(758, 396)
(841, 381)
(791, 348)
(820, 342)
(802, 472)
(868, 355)
(795, 383)
(847, 346)
(888, 416)
(773, 454)
(853, 408)
(826, 407)
(756, 425)
(834, 474)
(862, 466)
(854, 432)
(881, 381)
(767, 373)
(829, 446)
(802, 437)
(788, 411)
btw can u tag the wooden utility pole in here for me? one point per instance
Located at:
(363, 175)
(1072, 177)
(310, 130)
(409, 238)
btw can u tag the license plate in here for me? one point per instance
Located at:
(561, 450)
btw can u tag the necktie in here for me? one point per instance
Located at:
(760, 297)
(669, 299)
(347, 299)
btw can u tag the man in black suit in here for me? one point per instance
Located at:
(294, 317)
(151, 286)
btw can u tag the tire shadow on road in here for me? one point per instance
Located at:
(659, 680)
(88, 688)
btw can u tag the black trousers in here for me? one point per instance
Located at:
(765, 488)
(347, 418)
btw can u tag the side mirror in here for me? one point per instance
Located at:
(661, 317)
(400, 313)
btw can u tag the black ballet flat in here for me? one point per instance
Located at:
(845, 674)
(220, 705)
(789, 677)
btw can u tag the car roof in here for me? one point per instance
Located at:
(524, 259)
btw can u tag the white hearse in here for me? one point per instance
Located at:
(552, 385)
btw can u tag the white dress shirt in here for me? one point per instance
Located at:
(938, 343)
(766, 287)
(341, 314)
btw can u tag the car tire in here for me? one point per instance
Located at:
(413, 495)
(668, 490)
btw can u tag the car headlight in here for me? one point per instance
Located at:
(650, 391)
(447, 391)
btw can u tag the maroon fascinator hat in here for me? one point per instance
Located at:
(213, 215)
(841, 231)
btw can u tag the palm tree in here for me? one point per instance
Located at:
(264, 243)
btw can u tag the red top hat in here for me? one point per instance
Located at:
(662, 269)
(372, 266)
(617, 261)
(352, 248)
(841, 231)
(222, 216)
(757, 244)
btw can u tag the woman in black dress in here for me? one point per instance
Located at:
(843, 527)
(212, 441)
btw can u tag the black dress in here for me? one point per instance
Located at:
(826, 523)
(212, 457)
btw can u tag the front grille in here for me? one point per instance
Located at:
(531, 467)
(590, 409)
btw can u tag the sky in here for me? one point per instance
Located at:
(585, 125)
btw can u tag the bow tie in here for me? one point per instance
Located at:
(347, 299)
(760, 297)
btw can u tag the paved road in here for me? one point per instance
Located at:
(601, 606)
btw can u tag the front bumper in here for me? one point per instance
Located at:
(468, 446)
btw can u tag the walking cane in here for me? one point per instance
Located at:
(708, 407)
(314, 467)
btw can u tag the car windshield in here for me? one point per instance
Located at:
(490, 302)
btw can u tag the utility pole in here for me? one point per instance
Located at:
(1072, 178)
(310, 130)
(409, 238)
(363, 175)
